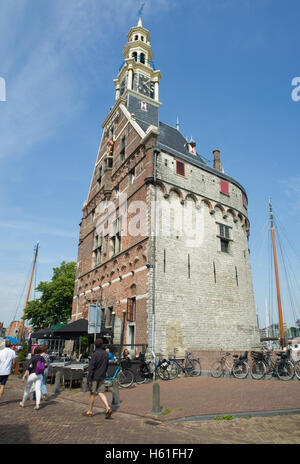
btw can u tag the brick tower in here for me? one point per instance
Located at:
(163, 244)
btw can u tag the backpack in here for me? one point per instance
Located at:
(40, 367)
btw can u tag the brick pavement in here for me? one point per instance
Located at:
(60, 421)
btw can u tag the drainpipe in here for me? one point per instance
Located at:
(156, 152)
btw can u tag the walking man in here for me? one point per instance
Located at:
(7, 361)
(96, 378)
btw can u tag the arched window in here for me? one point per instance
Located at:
(142, 38)
(134, 55)
(136, 37)
(142, 58)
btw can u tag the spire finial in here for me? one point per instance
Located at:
(177, 124)
(140, 13)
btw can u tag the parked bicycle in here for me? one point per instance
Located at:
(233, 364)
(145, 371)
(297, 369)
(264, 363)
(189, 366)
(123, 375)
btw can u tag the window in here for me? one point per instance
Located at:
(224, 246)
(224, 231)
(108, 163)
(244, 200)
(142, 58)
(115, 240)
(99, 176)
(97, 250)
(180, 168)
(108, 317)
(105, 245)
(131, 309)
(122, 149)
(132, 176)
(224, 234)
(224, 187)
(134, 55)
(136, 37)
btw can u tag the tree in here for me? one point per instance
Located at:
(55, 304)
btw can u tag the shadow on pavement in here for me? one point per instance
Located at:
(14, 434)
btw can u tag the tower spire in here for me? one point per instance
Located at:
(142, 4)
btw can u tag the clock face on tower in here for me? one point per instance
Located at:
(143, 85)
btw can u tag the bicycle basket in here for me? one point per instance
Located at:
(257, 355)
(125, 363)
(243, 356)
(164, 363)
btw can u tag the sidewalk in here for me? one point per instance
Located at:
(60, 419)
(191, 397)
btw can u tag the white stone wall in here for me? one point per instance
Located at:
(193, 311)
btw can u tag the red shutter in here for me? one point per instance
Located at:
(224, 187)
(180, 168)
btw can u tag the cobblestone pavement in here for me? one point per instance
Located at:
(60, 420)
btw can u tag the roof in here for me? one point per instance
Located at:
(172, 141)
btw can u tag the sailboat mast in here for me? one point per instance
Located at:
(29, 289)
(276, 277)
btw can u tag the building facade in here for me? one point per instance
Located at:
(163, 244)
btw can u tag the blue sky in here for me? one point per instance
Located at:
(227, 69)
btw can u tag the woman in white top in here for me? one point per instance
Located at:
(7, 361)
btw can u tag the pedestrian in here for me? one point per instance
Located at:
(34, 372)
(44, 391)
(96, 378)
(110, 355)
(7, 362)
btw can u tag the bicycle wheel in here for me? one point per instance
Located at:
(297, 369)
(140, 377)
(125, 378)
(163, 374)
(258, 370)
(173, 370)
(216, 369)
(285, 370)
(193, 368)
(240, 370)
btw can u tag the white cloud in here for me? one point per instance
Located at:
(38, 228)
(41, 59)
(291, 188)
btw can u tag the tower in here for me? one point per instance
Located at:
(158, 286)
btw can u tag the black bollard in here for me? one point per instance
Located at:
(115, 395)
(57, 383)
(156, 399)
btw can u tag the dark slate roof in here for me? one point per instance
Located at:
(172, 141)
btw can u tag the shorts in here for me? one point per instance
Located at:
(3, 379)
(96, 386)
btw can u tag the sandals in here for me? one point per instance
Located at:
(87, 414)
(108, 414)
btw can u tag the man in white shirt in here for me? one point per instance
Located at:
(7, 360)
